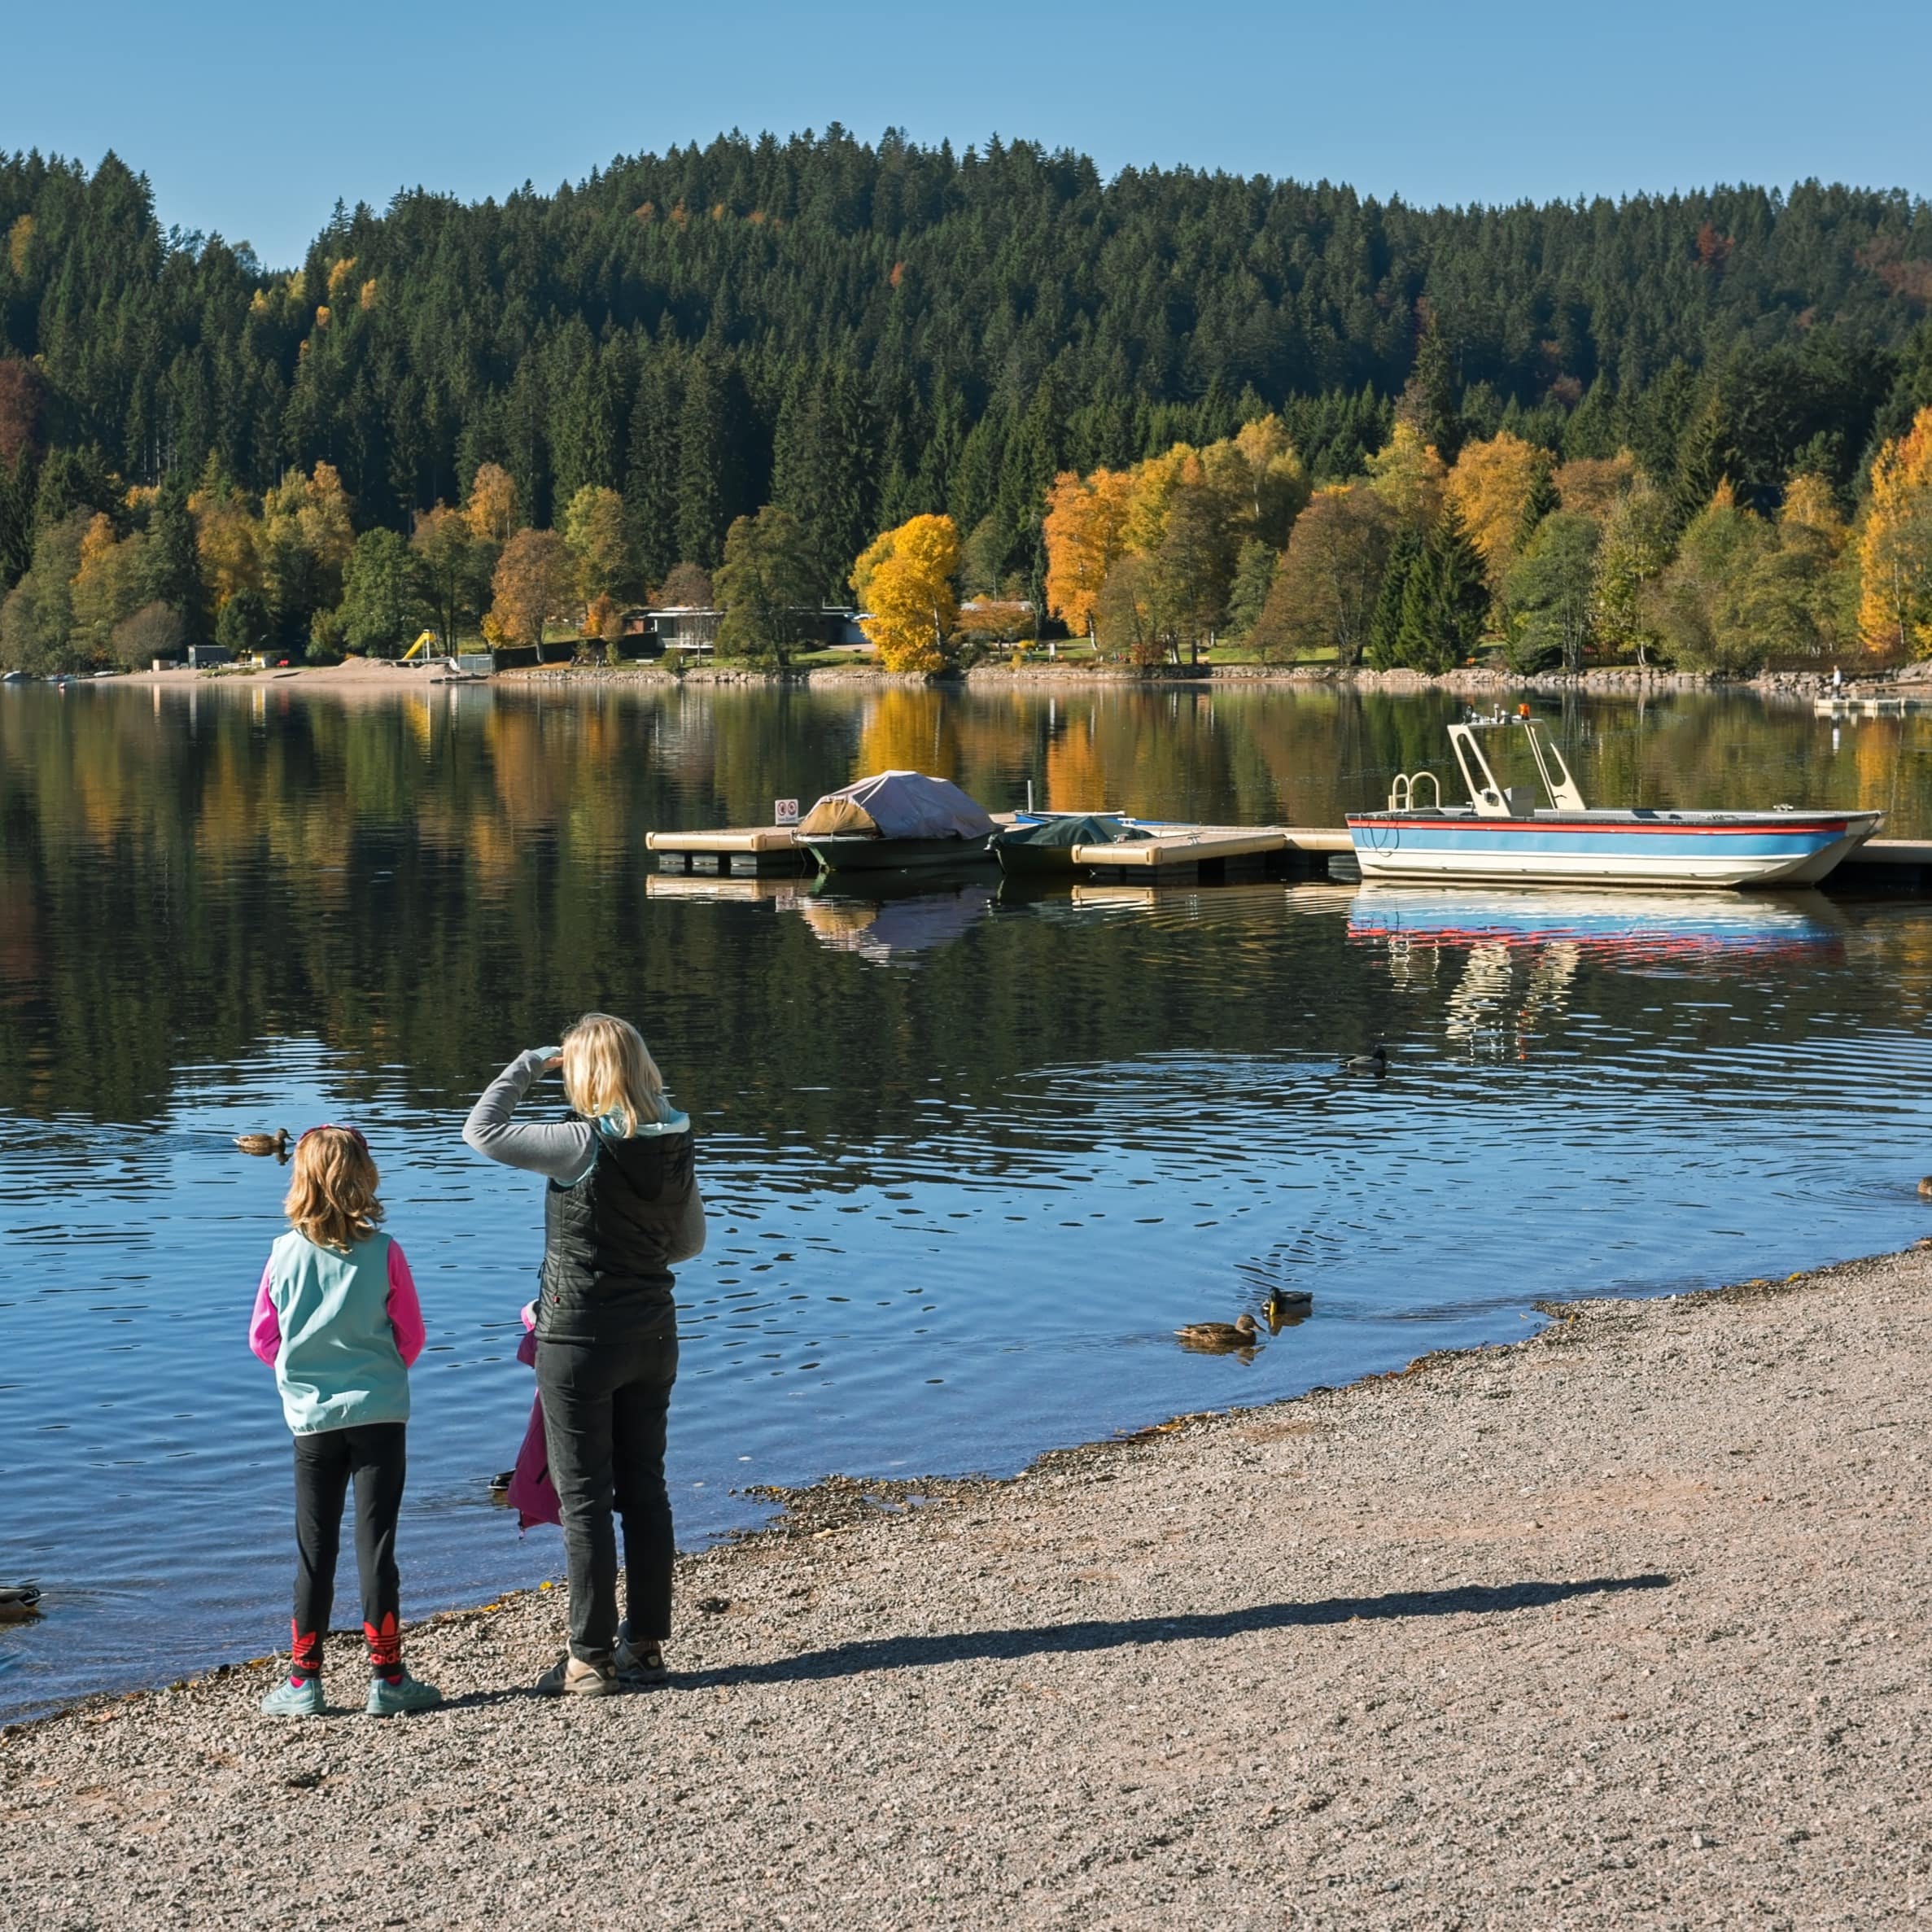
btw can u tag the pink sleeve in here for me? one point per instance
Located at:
(405, 1312)
(265, 1325)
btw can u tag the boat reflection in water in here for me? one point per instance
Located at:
(1525, 948)
(881, 924)
(1623, 927)
(892, 919)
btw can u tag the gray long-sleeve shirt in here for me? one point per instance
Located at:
(563, 1151)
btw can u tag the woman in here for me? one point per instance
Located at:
(622, 1207)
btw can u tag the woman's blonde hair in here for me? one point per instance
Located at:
(608, 1070)
(332, 1193)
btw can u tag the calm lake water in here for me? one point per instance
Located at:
(970, 1158)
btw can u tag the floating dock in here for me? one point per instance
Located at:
(1195, 855)
(740, 851)
(1872, 707)
(1203, 854)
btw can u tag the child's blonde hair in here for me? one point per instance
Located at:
(332, 1193)
(608, 1070)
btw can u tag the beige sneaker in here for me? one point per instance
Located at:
(572, 1676)
(642, 1663)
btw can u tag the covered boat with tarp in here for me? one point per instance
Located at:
(1043, 842)
(894, 820)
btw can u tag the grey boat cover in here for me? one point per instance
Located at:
(898, 805)
(1075, 829)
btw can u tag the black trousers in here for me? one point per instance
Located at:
(604, 1409)
(326, 1462)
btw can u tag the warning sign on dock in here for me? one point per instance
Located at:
(785, 811)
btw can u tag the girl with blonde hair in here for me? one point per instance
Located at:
(336, 1318)
(622, 1209)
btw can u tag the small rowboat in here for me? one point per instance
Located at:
(1505, 837)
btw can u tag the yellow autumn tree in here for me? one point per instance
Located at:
(1408, 475)
(1491, 487)
(493, 506)
(1276, 478)
(1086, 532)
(904, 581)
(228, 541)
(1894, 550)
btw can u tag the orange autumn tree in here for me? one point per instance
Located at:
(905, 581)
(493, 506)
(1491, 487)
(1086, 532)
(1894, 551)
(535, 584)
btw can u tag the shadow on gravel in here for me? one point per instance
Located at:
(906, 1653)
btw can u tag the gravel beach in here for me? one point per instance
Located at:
(1623, 1627)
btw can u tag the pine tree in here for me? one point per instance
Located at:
(1428, 399)
(1419, 643)
(1704, 457)
(1462, 588)
(173, 568)
(1541, 501)
(17, 484)
(1384, 645)
(654, 462)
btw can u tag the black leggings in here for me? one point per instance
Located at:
(325, 1461)
(604, 1423)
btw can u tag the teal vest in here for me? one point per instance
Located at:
(337, 1366)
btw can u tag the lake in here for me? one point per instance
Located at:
(970, 1158)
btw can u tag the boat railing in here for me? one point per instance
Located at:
(1493, 801)
(1401, 794)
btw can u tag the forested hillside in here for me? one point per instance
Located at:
(860, 335)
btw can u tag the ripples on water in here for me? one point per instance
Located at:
(970, 1159)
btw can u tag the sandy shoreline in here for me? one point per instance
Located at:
(1623, 1626)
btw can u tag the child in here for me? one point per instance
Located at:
(337, 1318)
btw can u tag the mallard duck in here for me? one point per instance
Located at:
(1287, 1306)
(1375, 1061)
(275, 1143)
(500, 1484)
(18, 1602)
(1221, 1337)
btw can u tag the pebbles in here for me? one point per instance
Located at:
(1642, 1645)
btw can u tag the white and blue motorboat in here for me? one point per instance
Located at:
(1505, 837)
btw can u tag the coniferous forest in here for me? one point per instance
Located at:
(1162, 408)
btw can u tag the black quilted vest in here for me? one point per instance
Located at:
(605, 1240)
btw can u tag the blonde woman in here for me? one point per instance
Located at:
(621, 1210)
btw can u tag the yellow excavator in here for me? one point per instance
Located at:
(426, 641)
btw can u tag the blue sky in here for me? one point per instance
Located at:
(251, 120)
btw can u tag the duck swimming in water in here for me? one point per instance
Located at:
(1375, 1061)
(275, 1143)
(1287, 1306)
(1221, 1338)
(18, 1602)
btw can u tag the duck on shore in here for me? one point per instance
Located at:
(275, 1143)
(1220, 1338)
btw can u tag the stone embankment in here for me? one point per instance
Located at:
(1621, 1627)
